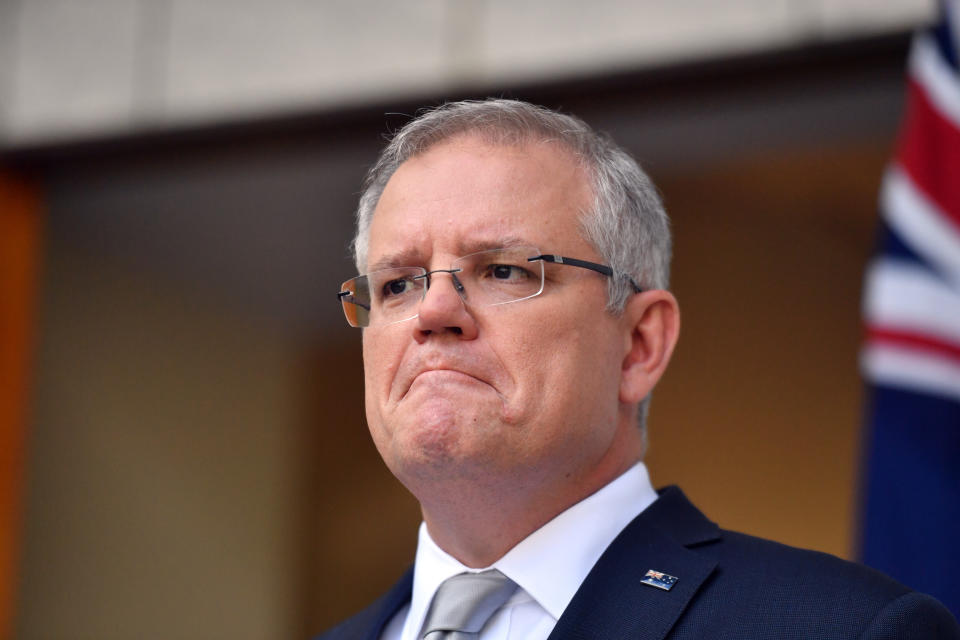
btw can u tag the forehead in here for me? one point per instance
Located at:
(465, 194)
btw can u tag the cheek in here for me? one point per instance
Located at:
(378, 367)
(541, 362)
(369, 368)
(571, 366)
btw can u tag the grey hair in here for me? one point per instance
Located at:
(627, 225)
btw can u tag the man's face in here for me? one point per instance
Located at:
(525, 392)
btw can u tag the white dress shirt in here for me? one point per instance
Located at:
(548, 565)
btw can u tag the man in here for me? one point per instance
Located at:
(516, 320)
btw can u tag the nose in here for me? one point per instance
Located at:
(443, 310)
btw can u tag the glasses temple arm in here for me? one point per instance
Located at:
(346, 296)
(585, 264)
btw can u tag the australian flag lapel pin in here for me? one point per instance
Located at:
(659, 579)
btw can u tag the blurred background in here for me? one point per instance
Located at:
(184, 449)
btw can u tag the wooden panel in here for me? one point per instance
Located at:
(19, 242)
(758, 417)
(361, 530)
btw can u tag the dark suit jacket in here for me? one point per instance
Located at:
(730, 586)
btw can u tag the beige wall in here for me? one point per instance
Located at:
(758, 417)
(163, 465)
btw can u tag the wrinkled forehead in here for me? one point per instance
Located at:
(468, 195)
(414, 255)
(507, 141)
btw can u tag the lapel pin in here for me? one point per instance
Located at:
(659, 579)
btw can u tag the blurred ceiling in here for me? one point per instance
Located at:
(79, 70)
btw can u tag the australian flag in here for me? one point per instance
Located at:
(659, 579)
(911, 358)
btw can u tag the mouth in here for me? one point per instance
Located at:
(442, 377)
(443, 372)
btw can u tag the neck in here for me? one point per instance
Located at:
(478, 523)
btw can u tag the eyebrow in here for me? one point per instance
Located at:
(413, 257)
(473, 246)
(405, 258)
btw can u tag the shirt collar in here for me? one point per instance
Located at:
(569, 545)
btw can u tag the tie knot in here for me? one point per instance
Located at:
(465, 602)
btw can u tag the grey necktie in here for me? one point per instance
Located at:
(464, 603)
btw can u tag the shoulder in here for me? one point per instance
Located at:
(761, 588)
(815, 594)
(742, 556)
(913, 615)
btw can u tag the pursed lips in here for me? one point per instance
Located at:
(432, 376)
(448, 370)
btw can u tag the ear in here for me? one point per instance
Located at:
(651, 322)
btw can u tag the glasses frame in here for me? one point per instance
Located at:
(543, 257)
(586, 264)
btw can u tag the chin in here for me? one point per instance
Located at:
(443, 451)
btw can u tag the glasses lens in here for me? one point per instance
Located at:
(500, 276)
(486, 278)
(355, 299)
(382, 297)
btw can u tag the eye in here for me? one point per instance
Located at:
(507, 272)
(397, 287)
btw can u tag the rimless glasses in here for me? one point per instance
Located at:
(482, 279)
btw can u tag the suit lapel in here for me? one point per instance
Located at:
(614, 603)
